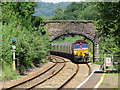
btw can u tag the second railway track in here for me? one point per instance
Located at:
(64, 84)
(41, 78)
(66, 76)
(73, 76)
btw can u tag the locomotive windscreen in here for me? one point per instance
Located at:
(84, 46)
(77, 46)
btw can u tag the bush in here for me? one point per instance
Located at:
(32, 39)
(31, 47)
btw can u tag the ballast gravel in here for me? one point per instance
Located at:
(60, 78)
(6, 84)
(66, 73)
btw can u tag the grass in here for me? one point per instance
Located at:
(98, 63)
(8, 73)
(118, 87)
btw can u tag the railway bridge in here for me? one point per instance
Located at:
(86, 28)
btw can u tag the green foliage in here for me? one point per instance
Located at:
(7, 72)
(73, 10)
(89, 13)
(19, 13)
(48, 9)
(31, 48)
(32, 39)
(108, 43)
(58, 13)
(108, 26)
(109, 21)
(78, 11)
(98, 63)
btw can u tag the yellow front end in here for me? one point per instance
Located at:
(80, 52)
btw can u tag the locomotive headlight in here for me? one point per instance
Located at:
(86, 52)
(75, 53)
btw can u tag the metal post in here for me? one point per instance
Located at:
(93, 53)
(104, 62)
(14, 68)
(112, 67)
(14, 49)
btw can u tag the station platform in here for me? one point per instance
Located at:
(100, 80)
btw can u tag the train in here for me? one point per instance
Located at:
(77, 51)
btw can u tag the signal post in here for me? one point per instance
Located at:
(14, 40)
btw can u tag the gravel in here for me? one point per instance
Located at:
(60, 78)
(66, 73)
(6, 84)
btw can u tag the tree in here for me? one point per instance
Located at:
(18, 13)
(58, 14)
(58, 11)
(89, 13)
(78, 11)
(108, 24)
(32, 39)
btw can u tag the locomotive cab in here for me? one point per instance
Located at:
(77, 51)
(80, 50)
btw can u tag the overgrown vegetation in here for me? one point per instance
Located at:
(32, 39)
(108, 27)
(8, 73)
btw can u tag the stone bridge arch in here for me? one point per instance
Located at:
(86, 28)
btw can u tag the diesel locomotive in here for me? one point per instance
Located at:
(78, 51)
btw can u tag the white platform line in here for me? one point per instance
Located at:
(84, 81)
(101, 80)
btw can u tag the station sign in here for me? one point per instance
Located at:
(108, 61)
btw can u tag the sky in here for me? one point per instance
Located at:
(56, 1)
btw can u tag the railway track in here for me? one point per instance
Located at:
(60, 85)
(73, 76)
(90, 70)
(42, 77)
(59, 64)
(63, 85)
